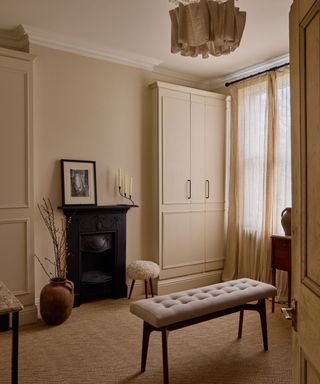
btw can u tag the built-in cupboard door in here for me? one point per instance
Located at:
(183, 249)
(16, 168)
(215, 126)
(198, 184)
(175, 138)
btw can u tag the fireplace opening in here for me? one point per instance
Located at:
(97, 265)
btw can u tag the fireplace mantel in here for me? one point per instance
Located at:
(95, 225)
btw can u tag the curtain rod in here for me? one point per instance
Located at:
(257, 74)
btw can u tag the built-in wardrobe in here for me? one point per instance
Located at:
(189, 151)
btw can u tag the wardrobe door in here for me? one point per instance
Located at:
(197, 149)
(175, 130)
(215, 125)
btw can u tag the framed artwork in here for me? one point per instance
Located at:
(78, 180)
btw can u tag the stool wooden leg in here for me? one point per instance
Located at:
(146, 288)
(132, 285)
(150, 282)
(240, 324)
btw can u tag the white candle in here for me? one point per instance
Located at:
(126, 184)
(119, 178)
(130, 190)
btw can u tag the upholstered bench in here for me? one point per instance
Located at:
(177, 310)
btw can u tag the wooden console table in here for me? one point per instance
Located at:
(281, 259)
(9, 304)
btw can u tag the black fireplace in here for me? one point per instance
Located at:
(97, 251)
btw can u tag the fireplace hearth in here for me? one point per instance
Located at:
(97, 251)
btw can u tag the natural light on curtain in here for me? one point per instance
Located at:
(260, 172)
(282, 191)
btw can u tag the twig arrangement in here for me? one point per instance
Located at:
(59, 239)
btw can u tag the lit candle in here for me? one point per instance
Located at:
(119, 178)
(130, 190)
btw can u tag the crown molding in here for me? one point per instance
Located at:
(44, 38)
(248, 71)
(41, 37)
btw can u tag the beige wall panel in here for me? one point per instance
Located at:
(14, 138)
(14, 241)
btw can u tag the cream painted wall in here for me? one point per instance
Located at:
(91, 109)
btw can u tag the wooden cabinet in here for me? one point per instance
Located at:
(281, 259)
(190, 126)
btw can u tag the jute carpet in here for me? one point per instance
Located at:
(101, 343)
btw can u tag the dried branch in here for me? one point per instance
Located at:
(59, 240)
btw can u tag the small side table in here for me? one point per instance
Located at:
(281, 259)
(9, 304)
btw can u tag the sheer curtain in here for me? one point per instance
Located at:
(260, 173)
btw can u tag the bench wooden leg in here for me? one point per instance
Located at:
(132, 285)
(240, 324)
(263, 318)
(165, 334)
(147, 329)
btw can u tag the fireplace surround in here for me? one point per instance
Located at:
(97, 251)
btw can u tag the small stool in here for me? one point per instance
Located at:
(143, 270)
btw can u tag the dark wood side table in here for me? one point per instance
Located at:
(281, 259)
(9, 304)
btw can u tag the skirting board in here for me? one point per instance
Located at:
(188, 282)
(28, 315)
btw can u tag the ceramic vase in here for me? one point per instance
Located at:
(286, 221)
(56, 301)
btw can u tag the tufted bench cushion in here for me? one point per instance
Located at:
(164, 310)
(177, 310)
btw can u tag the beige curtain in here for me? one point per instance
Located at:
(260, 178)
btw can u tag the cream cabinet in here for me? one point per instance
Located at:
(190, 126)
(16, 169)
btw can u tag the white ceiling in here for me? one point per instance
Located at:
(138, 31)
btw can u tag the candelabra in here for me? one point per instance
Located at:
(124, 194)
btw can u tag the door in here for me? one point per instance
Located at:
(215, 144)
(197, 149)
(175, 119)
(305, 67)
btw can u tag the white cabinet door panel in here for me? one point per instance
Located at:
(197, 149)
(214, 238)
(215, 149)
(175, 147)
(183, 242)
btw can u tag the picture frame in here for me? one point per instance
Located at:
(78, 182)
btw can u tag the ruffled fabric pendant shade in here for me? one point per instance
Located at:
(206, 27)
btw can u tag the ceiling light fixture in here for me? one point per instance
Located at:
(206, 27)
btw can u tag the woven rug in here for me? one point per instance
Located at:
(101, 343)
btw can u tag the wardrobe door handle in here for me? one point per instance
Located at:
(189, 189)
(207, 189)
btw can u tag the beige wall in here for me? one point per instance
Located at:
(91, 109)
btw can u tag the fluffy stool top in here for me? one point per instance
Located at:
(143, 270)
